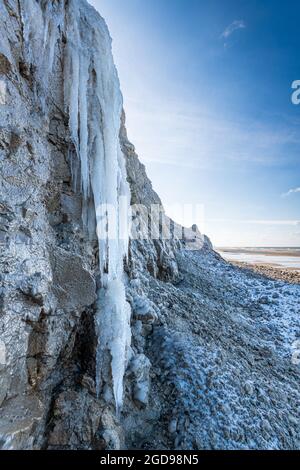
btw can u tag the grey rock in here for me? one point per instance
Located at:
(142, 309)
(173, 426)
(140, 367)
(73, 285)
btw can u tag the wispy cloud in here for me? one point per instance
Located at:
(234, 26)
(291, 191)
(167, 132)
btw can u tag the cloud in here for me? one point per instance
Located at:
(175, 134)
(291, 191)
(234, 26)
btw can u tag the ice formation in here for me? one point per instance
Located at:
(43, 22)
(93, 102)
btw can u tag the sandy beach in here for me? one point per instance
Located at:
(273, 263)
(290, 275)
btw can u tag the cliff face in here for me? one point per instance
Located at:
(47, 270)
(174, 333)
(64, 316)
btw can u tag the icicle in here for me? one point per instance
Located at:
(94, 103)
(83, 127)
(42, 22)
(113, 322)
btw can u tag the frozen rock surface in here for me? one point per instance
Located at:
(154, 343)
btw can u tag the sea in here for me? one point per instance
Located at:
(287, 257)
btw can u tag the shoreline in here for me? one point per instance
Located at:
(290, 275)
(294, 252)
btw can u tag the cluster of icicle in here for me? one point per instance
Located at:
(93, 102)
(43, 23)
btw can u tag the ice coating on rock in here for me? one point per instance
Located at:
(43, 22)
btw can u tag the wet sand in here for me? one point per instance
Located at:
(290, 275)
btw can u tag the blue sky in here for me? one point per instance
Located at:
(207, 94)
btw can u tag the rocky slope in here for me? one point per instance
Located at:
(210, 360)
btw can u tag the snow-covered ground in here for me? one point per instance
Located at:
(222, 358)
